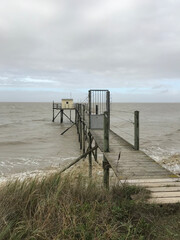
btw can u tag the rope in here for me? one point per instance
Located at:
(121, 125)
(126, 112)
(84, 99)
(130, 121)
(127, 133)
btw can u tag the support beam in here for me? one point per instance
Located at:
(61, 118)
(78, 159)
(67, 129)
(67, 117)
(57, 115)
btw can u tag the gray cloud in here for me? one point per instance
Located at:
(89, 44)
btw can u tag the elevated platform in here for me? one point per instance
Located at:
(135, 167)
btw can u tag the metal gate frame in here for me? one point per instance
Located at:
(99, 102)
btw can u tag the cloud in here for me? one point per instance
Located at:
(89, 44)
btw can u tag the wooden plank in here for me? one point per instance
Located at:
(164, 200)
(157, 180)
(142, 170)
(141, 174)
(132, 164)
(164, 189)
(137, 164)
(132, 154)
(127, 157)
(165, 194)
(160, 184)
(145, 169)
(136, 177)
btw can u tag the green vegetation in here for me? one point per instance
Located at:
(58, 208)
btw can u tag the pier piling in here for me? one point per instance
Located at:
(136, 130)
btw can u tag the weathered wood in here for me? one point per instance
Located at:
(95, 154)
(80, 124)
(160, 184)
(84, 133)
(148, 181)
(164, 189)
(61, 118)
(136, 130)
(89, 97)
(164, 200)
(164, 194)
(77, 159)
(67, 117)
(106, 132)
(53, 112)
(67, 129)
(96, 109)
(90, 155)
(128, 163)
(106, 149)
(57, 115)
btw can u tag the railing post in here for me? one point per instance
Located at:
(75, 117)
(89, 97)
(80, 124)
(53, 112)
(90, 155)
(136, 130)
(106, 149)
(95, 153)
(79, 121)
(96, 109)
(83, 124)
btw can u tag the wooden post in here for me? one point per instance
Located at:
(80, 124)
(62, 115)
(75, 117)
(78, 121)
(84, 136)
(90, 155)
(136, 130)
(89, 109)
(106, 149)
(53, 112)
(108, 105)
(95, 154)
(70, 115)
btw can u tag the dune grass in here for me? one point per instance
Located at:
(56, 207)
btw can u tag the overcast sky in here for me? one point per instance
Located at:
(51, 49)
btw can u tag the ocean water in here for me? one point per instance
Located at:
(30, 142)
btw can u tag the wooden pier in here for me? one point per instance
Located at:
(129, 164)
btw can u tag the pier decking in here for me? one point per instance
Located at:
(126, 162)
(129, 164)
(136, 168)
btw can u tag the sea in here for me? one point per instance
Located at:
(30, 143)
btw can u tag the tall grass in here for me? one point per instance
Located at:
(58, 207)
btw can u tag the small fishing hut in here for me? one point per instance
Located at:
(67, 103)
